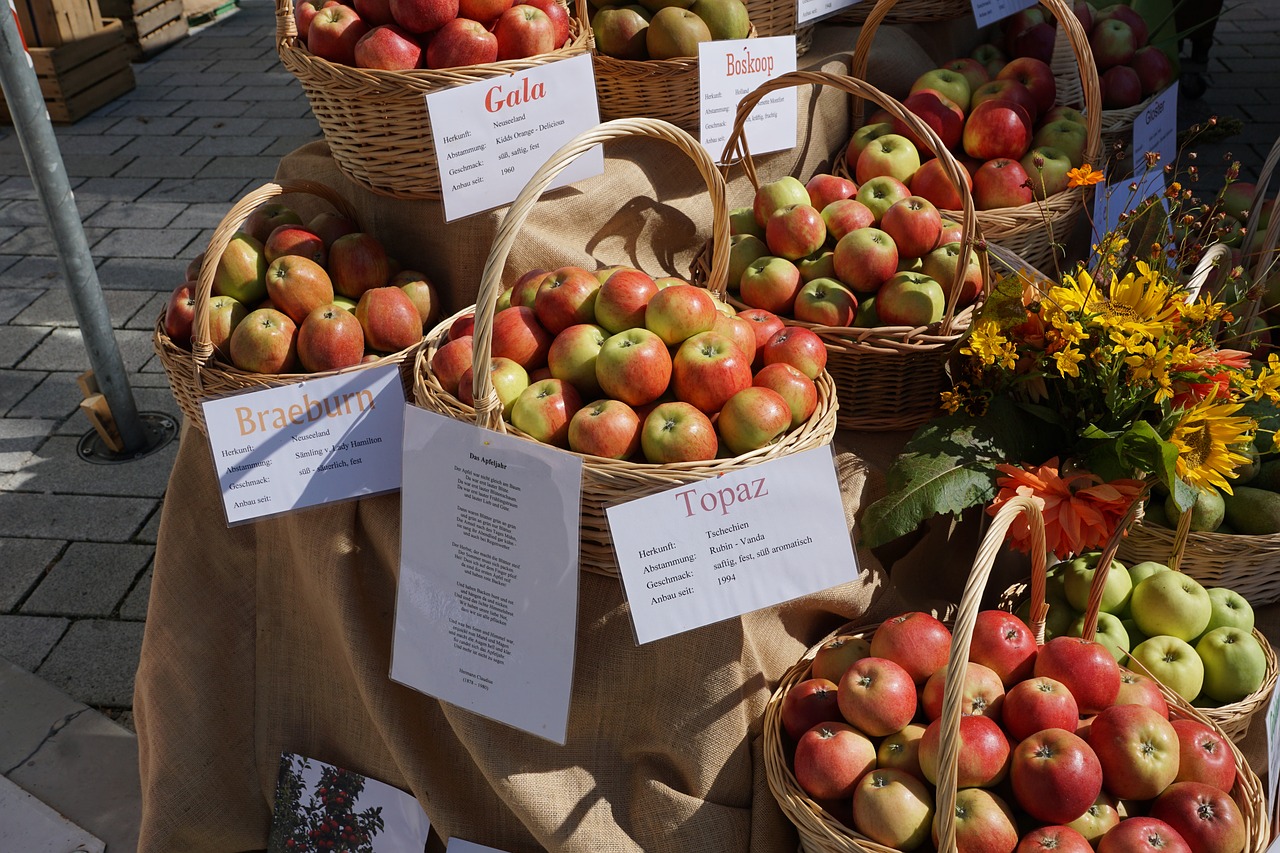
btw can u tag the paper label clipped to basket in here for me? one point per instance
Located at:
(808, 11)
(486, 606)
(989, 11)
(491, 136)
(1155, 131)
(307, 443)
(728, 70)
(717, 548)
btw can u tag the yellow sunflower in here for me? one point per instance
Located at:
(1205, 437)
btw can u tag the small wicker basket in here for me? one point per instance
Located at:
(197, 374)
(887, 377)
(376, 122)
(1034, 231)
(605, 482)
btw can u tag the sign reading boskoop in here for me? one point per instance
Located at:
(728, 70)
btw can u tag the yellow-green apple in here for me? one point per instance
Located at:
(486, 12)
(770, 283)
(1136, 689)
(1229, 609)
(938, 112)
(1204, 755)
(357, 262)
(620, 31)
(1120, 87)
(1141, 31)
(1064, 135)
(633, 366)
(375, 13)
(707, 369)
(1057, 839)
(525, 289)
(798, 347)
(1055, 775)
(242, 270)
(949, 83)
(603, 273)
(1036, 75)
(572, 357)
(1003, 643)
(1038, 703)
(906, 264)
(333, 34)
(865, 259)
(461, 42)
(452, 360)
(623, 299)
(893, 808)
(845, 215)
(891, 155)
(1060, 112)
(265, 342)
(390, 319)
(862, 137)
(808, 703)
(1139, 572)
(1098, 819)
(225, 314)
(742, 220)
(1171, 603)
(461, 327)
(941, 265)
(1112, 41)
(1234, 663)
(830, 759)
(983, 822)
(910, 299)
(1206, 817)
(725, 19)
(984, 752)
(765, 324)
(423, 16)
(914, 225)
(297, 286)
(1047, 168)
(876, 695)
(678, 432)
(566, 297)
(1085, 667)
(1142, 835)
(544, 409)
(193, 266)
(991, 56)
(743, 249)
(606, 428)
(290, 239)
(421, 292)
(1173, 662)
(677, 313)
(1078, 578)
(666, 281)
(821, 264)
(916, 641)
(558, 14)
(901, 750)
(794, 231)
(952, 231)
(180, 313)
(880, 193)
(330, 338)
(932, 182)
(997, 129)
(825, 188)
(826, 302)
(752, 418)
(973, 71)
(772, 195)
(1138, 751)
(1001, 183)
(738, 331)
(674, 32)
(524, 31)
(982, 696)
(519, 336)
(1154, 68)
(389, 48)
(507, 378)
(801, 397)
(839, 653)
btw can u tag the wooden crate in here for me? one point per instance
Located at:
(149, 25)
(51, 23)
(80, 76)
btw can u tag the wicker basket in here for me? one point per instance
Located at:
(778, 18)
(605, 482)
(376, 122)
(820, 832)
(1248, 564)
(1034, 231)
(1116, 125)
(887, 377)
(197, 374)
(909, 12)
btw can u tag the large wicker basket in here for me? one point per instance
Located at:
(1034, 231)
(821, 832)
(887, 377)
(1116, 125)
(376, 122)
(605, 482)
(198, 374)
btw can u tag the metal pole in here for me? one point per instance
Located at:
(49, 174)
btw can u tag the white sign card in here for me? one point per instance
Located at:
(1273, 760)
(486, 607)
(718, 548)
(989, 11)
(729, 70)
(492, 135)
(808, 11)
(1111, 200)
(1156, 130)
(307, 443)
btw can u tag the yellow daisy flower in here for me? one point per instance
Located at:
(1067, 361)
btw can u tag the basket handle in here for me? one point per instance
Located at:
(1272, 235)
(962, 637)
(737, 144)
(487, 406)
(286, 24)
(201, 346)
(1076, 36)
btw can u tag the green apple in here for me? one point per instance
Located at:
(1174, 664)
(1171, 603)
(1109, 631)
(742, 220)
(1207, 512)
(1139, 572)
(1058, 621)
(1234, 663)
(1230, 610)
(1078, 578)
(1133, 632)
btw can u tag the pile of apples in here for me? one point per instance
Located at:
(1015, 143)
(836, 253)
(401, 35)
(666, 29)
(1060, 748)
(1129, 68)
(318, 296)
(617, 364)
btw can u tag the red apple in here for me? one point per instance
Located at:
(225, 314)
(330, 338)
(374, 12)
(893, 808)
(997, 129)
(991, 56)
(865, 259)
(772, 195)
(861, 138)
(1112, 41)
(1143, 835)
(462, 327)
(297, 286)
(807, 704)
(622, 300)
(241, 270)
(1139, 690)
(880, 193)
(796, 389)
(357, 262)
(677, 313)
(423, 16)
(1019, 22)
(738, 331)
(634, 366)
(765, 324)
(305, 11)
(607, 428)
(891, 155)
(333, 34)
(836, 655)
(558, 14)
(486, 12)
(677, 432)
(823, 189)
(877, 695)
(180, 313)
(421, 292)
(1154, 69)
(519, 336)
(770, 283)
(1053, 839)
(901, 751)
(1037, 77)
(544, 409)
(931, 182)
(451, 361)
(389, 48)
(1085, 667)
(1035, 704)
(1138, 750)
(523, 31)
(752, 418)
(983, 694)
(1204, 755)
(1035, 42)
(1055, 775)
(572, 357)
(390, 319)
(984, 823)
(566, 297)
(794, 231)
(1121, 87)
(914, 225)
(708, 369)
(525, 289)
(984, 752)
(1007, 90)
(845, 215)
(330, 226)
(1001, 183)
(831, 758)
(825, 302)
(265, 342)
(973, 71)
(939, 112)
(1205, 816)
(798, 347)
(462, 42)
(916, 640)
(290, 239)
(1097, 820)
(949, 83)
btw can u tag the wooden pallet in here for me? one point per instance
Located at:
(80, 76)
(51, 23)
(149, 25)
(162, 37)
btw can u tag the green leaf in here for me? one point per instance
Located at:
(949, 466)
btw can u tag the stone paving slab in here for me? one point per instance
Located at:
(16, 342)
(151, 532)
(16, 384)
(56, 467)
(28, 272)
(25, 562)
(30, 709)
(84, 518)
(54, 307)
(145, 242)
(19, 438)
(38, 240)
(135, 603)
(95, 662)
(27, 640)
(163, 274)
(145, 317)
(14, 301)
(202, 189)
(63, 349)
(26, 213)
(90, 579)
